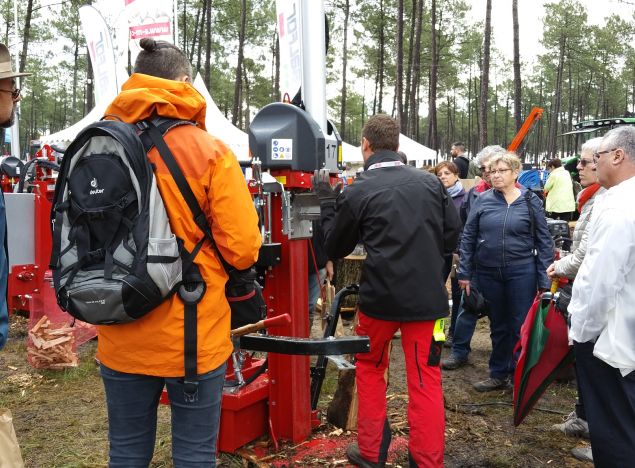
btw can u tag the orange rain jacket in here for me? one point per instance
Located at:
(153, 345)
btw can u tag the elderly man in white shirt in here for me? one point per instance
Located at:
(602, 308)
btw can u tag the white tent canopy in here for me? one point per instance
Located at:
(416, 151)
(64, 137)
(351, 153)
(413, 150)
(220, 127)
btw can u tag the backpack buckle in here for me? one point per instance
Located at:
(190, 391)
(192, 292)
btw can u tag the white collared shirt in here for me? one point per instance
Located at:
(603, 298)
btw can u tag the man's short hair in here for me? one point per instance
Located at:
(382, 132)
(162, 59)
(621, 137)
(554, 163)
(459, 144)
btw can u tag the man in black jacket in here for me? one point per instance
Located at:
(406, 221)
(460, 158)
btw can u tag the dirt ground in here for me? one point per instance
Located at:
(60, 417)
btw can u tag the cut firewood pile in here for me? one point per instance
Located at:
(51, 346)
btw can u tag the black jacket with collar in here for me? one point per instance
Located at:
(406, 221)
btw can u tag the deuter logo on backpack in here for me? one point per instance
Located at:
(95, 187)
(114, 255)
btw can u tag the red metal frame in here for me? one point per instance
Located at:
(286, 290)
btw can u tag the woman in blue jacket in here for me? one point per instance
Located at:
(505, 251)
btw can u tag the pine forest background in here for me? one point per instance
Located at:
(424, 61)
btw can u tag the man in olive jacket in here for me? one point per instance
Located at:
(406, 221)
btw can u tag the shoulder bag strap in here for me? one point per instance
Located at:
(532, 220)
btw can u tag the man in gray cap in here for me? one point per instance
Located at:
(9, 97)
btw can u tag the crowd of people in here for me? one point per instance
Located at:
(418, 229)
(503, 257)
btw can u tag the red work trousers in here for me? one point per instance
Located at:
(425, 396)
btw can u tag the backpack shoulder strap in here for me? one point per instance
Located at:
(156, 138)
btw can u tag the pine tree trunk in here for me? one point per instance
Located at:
(517, 82)
(208, 49)
(409, 68)
(347, 10)
(483, 104)
(555, 108)
(432, 97)
(276, 80)
(26, 35)
(413, 127)
(399, 84)
(195, 35)
(239, 66)
(382, 52)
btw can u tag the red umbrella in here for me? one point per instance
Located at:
(544, 352)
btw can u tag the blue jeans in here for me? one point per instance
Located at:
(510, 292)
(463, 331)
(132, 401)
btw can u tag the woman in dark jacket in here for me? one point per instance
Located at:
(448, 174)
(505, 251)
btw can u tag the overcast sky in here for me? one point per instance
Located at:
(530, 17)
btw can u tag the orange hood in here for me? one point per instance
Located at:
(144, 96)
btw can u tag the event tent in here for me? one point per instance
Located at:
(218, 125)
(415, 152)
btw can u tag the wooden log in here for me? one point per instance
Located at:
(349, 271)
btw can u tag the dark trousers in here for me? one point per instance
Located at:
(510, 292)
(568, 216)
(132, 401)
(609, 403)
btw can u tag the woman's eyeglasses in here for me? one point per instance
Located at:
(585, 162)
(15, 93)
(499, 171)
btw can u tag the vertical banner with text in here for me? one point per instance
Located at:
(289, 37)
(101, 52)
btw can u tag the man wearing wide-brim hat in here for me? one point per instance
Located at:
(9, 90)
(9, 97)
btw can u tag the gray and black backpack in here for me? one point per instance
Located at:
(114, 256)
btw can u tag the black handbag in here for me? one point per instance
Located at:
(245, 298)
(564, 298)
(475, 303)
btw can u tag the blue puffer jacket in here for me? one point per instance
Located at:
(498, 235)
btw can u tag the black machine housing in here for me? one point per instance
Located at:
(284, 136)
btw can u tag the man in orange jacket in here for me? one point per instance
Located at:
(140, 357)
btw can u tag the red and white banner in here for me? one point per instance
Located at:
(149, 18)
(101, 52)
